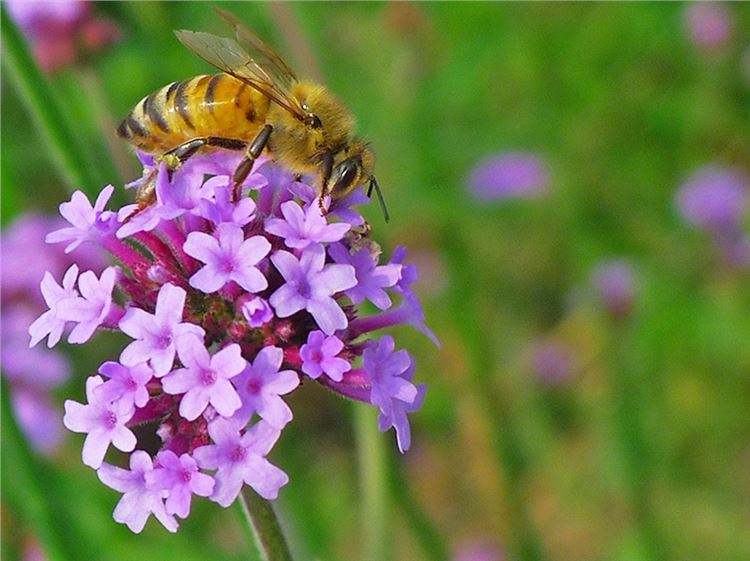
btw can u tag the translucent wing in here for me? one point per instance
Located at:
(261, 53)
(228, 56)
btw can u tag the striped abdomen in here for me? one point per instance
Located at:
(216, 105)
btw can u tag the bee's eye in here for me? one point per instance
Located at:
(344, 175)
(312, 120)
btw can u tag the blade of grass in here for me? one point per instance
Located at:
(635, 451)
(463, 303)
(30, 490)
(261, 522)
(372, 467)
(44, 108)
(429, 537)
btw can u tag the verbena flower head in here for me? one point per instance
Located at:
(552, 362)
(714, 198)
(709, 25)
(615, 285)
(34, 372)
(228, 307)
(62, 31)
(510, 175)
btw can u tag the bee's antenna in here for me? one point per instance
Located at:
(374, 185)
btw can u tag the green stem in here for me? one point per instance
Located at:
(43, 106)
(261, 522)
(634, 449)
(30, 489)
(465, 308)
(372, 467)
(429, 537)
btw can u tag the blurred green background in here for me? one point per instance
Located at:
(644, 452)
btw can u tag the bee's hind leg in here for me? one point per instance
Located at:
(253, 152)
(178, 156)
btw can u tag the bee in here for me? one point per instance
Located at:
(256, 103)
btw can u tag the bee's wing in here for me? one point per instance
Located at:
(261, 53)
(228, 56)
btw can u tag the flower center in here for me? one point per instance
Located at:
(131, 384)
(317, 356)
(109, 419)
(238, 453)
(227, 264)
(253, 387)
(185, 476)
(207, 377)
(164, 340)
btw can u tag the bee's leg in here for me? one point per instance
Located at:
(178, 156)
(254, 150)
(326, 171)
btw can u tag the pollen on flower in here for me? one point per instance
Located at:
(227, 305)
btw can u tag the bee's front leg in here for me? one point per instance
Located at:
(254, 150)
(326, 171)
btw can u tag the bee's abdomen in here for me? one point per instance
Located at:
(216, 105)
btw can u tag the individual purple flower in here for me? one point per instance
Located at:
(409, 312)
(156, 334)
(229, 258)
(310, 285)
(341, 208)
(714, 198)
(92, 308)
(180, 478)
(139, 500)
(126, 384)
(320, 356)
(301, 228)
(614, 282)
(205, 379)
(552, 362)
(510, 175)
(87, 223)
(222, 209)
(408, 272)
(241, 459)
(103, 422)
(261, 386)
(50, 324)
(709, 25)
(371, 277)
(256, 310)
(392, 390)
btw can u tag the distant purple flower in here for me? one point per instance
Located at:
(371, 277)
(714, 198)
(510, 175)
(38, 417)
(310, 285)
(156, 334)
(301, 228)
(241, 459)
(256, 310)
(87, 223)
(93, 308)
(229, 258)
(709, 24)
(179, 476)
(320, 356)
(222, 210)
(205, 379)
(735, 249)
(139, 499)
(103, 422)
(50, 323)
(392, 390)
(126, 384)
(261, 385)
(614, 282)
(552, 363)
(478, 550)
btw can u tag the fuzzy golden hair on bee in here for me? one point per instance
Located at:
(258, 105)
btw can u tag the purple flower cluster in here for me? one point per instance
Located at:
(34, 372)
(709, 25)
(715, 199)
(615, 285)
(509, 175)
(229, 306)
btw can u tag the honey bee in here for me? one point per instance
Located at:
(257, 103)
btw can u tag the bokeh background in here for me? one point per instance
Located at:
(572, 181)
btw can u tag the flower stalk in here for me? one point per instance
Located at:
(261, 521)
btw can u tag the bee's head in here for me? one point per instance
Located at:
(354, 167)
